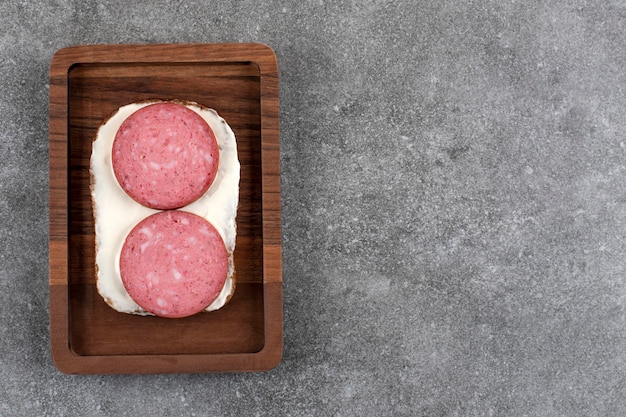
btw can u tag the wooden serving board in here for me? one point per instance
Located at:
(87, 83)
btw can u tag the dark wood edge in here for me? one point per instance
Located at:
(262, 54)
(266, 359)
(272, 236)
(58, 210)
(65, 359)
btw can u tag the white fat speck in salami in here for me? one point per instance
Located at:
(159, 279)
(147, 160)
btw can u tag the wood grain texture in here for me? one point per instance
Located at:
(87, 84)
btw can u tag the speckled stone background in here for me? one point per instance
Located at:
(454, 208)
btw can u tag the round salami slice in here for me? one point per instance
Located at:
(173, 264)
(165, 156)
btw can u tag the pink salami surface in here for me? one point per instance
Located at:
(165, 156)
(174, 264)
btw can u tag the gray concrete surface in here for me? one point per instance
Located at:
(454, 208)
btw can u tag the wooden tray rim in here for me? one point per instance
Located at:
(64, 357)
